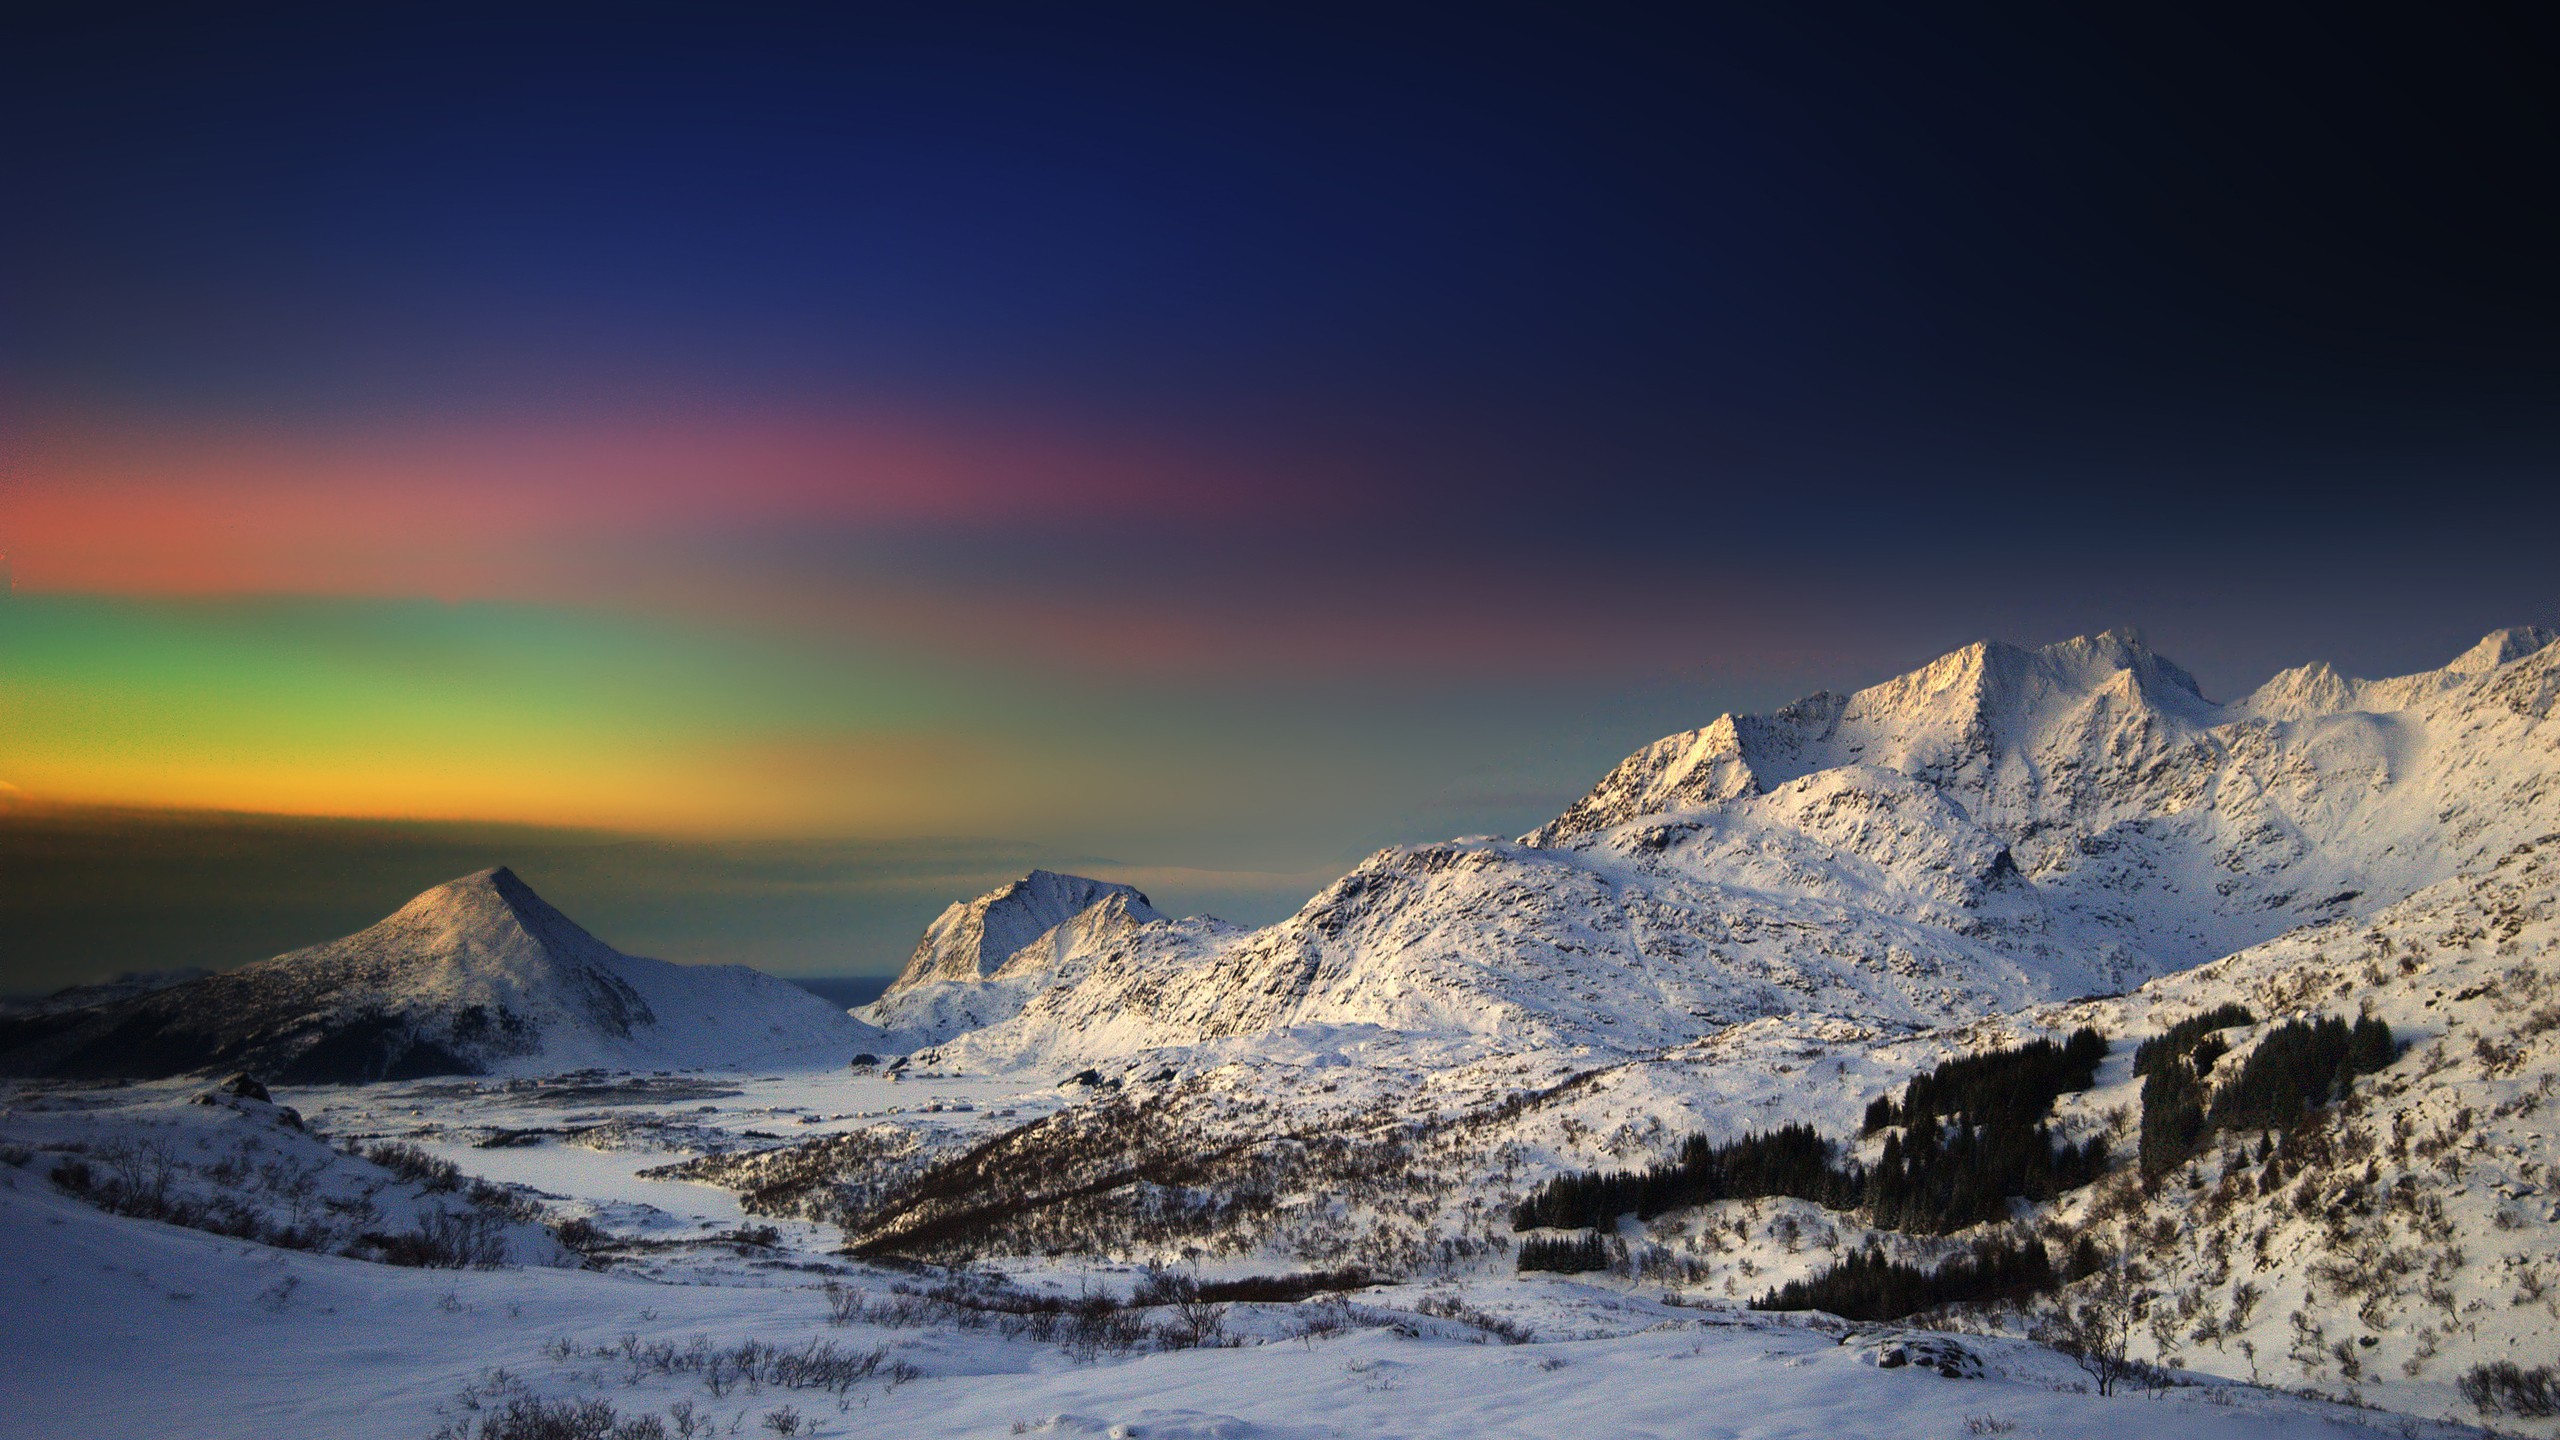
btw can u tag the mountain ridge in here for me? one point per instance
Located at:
(1998, 827)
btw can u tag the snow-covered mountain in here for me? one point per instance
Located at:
(981, 961)
(1998, 828)
(476, 976)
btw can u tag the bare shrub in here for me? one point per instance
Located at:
(444, 1240)
(844, 1305)
(2504, 1388)
(1197, 1320)
(2096, 1322)
(1450, 1307)
(414, 1165)
(527, 1418)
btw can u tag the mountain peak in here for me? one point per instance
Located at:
(2501, 647)
(971, 940)
(490, 911)
(473, 974)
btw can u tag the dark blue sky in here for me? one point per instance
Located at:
(1318, 393)
(1865, 246)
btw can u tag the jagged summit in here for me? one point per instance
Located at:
(2001, 825)
(983, 960)
(972, 939)
(1974, 707)
(2502, 647)
(474, 976)
(2319, 688)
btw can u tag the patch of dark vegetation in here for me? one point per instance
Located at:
(816, 1365)
(525, 1418)
(503, 1407)
(1566, 1255)
(2193, 1039)
(408, 1162)
(1974, 1138)
(280, 1202)
(1935, 1181)
(1168, 1310)
(1287, 1289)
(1790, 1160)
(1164, 1171)
(442, 1240)
(1487, 1326)
(2172, 1066)
(1869, 1286)
(821, 1179)
(254, 1019)
(2006, 1088)
(1087, 1325)
(2297, 1068)
(2505, 1388)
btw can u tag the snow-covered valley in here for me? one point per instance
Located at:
(1089, 1169)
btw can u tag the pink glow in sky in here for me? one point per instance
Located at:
(487, 509)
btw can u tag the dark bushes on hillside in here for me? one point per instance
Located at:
(1571, 1255)
(2192, 1039)
(2172, 1066)
(2000, 1087)
(1935, 1181)
(413, 1164)
(1934, 1178)
(2300, 1066)
(1791, 1160)
(2505, 1388)
(1867, 1286)
(1286, 1289)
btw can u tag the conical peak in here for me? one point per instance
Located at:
(494, 908)
(496, 888)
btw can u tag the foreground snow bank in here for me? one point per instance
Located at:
(125, 1328)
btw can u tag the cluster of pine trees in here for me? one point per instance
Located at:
(1867, 1286)
(1935, 1180)
(2172, 1066)
(2001, 1087)
(1790, 1160)
(2300, 1066)
(1975, 1137)
(1570, 1255)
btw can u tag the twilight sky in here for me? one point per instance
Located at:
(768, 471)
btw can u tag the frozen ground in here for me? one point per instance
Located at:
(121, 1326)
(126, 1328)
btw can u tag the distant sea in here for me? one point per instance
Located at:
(848, 991)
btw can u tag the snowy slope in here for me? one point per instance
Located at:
(1999, 827)
(476, 976)
(2409, 1228)
(240, 1340)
